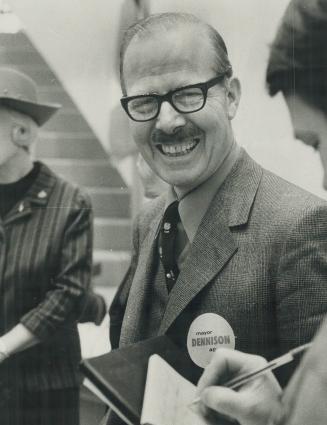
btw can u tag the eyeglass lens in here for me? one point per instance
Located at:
(185, 100)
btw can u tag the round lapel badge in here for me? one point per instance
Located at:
(208, 333)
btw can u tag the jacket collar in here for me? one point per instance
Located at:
(42, 187)
(239, 190)
(214, 244)
(235, 195)
(37, 195)
(193, 206)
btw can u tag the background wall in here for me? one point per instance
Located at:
(79, 40)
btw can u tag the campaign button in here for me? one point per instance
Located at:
(207, 333)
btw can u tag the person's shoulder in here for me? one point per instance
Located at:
(285, 194)
(69, 192)
(273, 199)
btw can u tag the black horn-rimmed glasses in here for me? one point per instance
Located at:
(185, 100)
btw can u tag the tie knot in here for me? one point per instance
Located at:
(171, 217)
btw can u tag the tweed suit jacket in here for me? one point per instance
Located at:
(45, 267)
(259, 260)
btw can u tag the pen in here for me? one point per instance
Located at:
(273, 364)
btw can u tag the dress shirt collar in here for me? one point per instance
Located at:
(194, 205)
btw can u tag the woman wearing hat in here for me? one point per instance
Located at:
(45, 268)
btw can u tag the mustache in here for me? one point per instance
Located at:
(159, 137)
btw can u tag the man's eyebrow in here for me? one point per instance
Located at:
(151, 92)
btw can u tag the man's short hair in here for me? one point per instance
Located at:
(170, 21)
(298, 56)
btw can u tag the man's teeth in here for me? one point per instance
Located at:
(179, 149)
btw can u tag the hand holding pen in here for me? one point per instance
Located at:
(258, 397)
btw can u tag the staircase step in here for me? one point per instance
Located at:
(114, 265)
(110, 202)
(112, 233)
(90, 173)
(16, 56)
(68, 145)
(68, 121)
(16, 41)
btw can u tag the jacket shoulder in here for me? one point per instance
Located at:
(286, 195)
(68, 191)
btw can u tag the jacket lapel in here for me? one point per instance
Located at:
(138, 295)
(210, 251)
(214, 244)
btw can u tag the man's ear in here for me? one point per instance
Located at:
(21, 135)
(233, 96)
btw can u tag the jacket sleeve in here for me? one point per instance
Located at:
(304, 400)
(301, 295)
(69, 285)
(94, 308)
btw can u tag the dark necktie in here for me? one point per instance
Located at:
(167, 243)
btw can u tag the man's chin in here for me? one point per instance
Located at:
(177, 181)
(183, 186)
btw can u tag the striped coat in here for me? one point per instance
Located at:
(45, 267)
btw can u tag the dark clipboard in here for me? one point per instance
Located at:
(120, 375)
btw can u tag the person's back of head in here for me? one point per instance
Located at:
(298, 56)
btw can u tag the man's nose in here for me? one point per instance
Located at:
(169, 119)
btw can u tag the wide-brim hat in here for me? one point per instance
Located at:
(19, 92)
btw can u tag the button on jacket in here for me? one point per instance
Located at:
(45, 268)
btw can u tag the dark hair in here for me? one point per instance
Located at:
(298, 56)
(169, 21)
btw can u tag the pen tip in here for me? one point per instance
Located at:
(301, 348)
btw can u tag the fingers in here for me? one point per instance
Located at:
(226, 364)
(224, 401)
(248, 407)
(255, 401)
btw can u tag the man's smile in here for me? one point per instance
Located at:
(179, 148)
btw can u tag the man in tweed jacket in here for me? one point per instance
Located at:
(45, 269)
(252, 247)
(297, 69)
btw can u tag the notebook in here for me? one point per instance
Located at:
(119, 377)
(167, 397)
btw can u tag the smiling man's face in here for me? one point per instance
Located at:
(183, 149)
